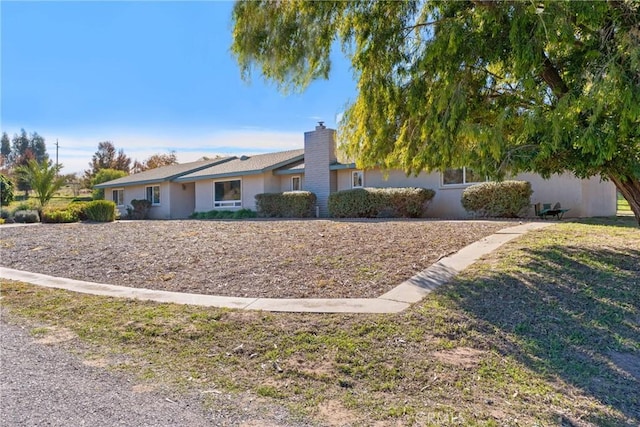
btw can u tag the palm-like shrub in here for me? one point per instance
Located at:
(43, 178)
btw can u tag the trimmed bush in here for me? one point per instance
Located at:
(407, 202)
(506, 199)
(26, 216)
(290, 204)
(218, 214)
(101, 211)
(5, 213)
(139, 209)
(60, 215)
(78, 208)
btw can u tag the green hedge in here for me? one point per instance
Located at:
(101, 211)
(290, 204)
(407, 202)
(60, 215)
(506, 199)
(220, 214)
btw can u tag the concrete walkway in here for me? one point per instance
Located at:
(394, 301)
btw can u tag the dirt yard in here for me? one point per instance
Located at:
(262, 258)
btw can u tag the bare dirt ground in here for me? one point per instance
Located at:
(275, 259)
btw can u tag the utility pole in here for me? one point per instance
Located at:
(57, 146)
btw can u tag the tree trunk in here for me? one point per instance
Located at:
(629, 187)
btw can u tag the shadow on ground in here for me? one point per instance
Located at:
(571, 312)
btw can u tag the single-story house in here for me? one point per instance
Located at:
(232, 182)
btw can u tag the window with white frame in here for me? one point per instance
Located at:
(357, 179)
(295, 183)
(461, 176)
(117, 196)
(227, 194)
(153, 194)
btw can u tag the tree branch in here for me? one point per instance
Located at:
(552, 77)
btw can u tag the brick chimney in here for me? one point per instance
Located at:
(319, 154)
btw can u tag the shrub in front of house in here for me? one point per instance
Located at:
(409, 202)
(506, 199)
(290, 204)
(60, 215)
(26, 216)
(101, 211)
(221, 214)
(139, 209)
(78, 209)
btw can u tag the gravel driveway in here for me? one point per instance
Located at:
(43, 385)
(262, 258)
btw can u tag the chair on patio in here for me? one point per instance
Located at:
(544, 210)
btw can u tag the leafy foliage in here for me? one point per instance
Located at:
(42, 178)
(5, 149)
(155, 161)
(501, 87)
(380, 202)
(6, 190)
(104, 175)
(101, 211)
(220, 214)
(65, 215)
(290, 204)
(107, 157)
(507, 199)
(139, 209)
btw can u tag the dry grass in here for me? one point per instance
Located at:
(546, 331)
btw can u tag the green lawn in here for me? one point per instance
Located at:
(623, 205)
(546, 331)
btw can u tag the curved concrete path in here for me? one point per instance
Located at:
(394, 301)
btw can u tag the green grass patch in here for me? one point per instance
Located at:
(543, 332)
(623, 205)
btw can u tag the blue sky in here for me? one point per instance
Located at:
(150, 77)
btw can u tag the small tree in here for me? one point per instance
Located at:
(42, 178)
(104, 175)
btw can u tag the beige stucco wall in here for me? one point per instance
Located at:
(204, 195)
(250, 186)
(183, 199)
(138, 192)
(285, 182)
(584, 198)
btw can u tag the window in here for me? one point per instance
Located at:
(461, 176)
(118, 197)
(153, 194)
(295, 183)
(357, 179)
(227, 194)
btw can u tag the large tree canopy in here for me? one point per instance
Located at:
(501, 86)
(107, 157)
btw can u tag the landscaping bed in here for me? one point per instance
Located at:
(276, 259)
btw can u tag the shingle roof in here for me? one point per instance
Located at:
(247, 165)
(164, 173)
